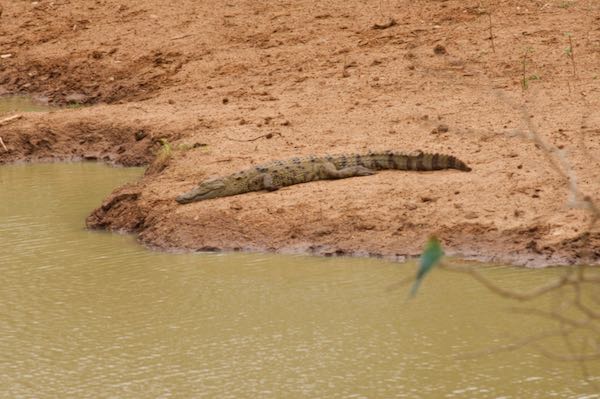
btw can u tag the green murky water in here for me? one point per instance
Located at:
(16, 104)
(89, 314)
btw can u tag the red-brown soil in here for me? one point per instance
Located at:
(317, 77)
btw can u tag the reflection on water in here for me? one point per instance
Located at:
(12, 104)
(91, 314)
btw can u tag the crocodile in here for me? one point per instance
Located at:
(276, 174)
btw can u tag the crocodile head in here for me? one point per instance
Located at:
(206, 190)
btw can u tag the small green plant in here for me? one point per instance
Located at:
(569, 53)
(183, 147)
(74, 105)
(164, 152)
(524, 79)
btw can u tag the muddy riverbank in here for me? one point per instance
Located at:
(207, 89)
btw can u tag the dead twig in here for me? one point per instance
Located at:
(567, 358)
(2, 144)
(491, 33)
(508, 293)
(523, 342)
(524, 80)
(262, 136)
(570, 51)
(229, 159)
(10, 119)
(182, 36)
(555, 316)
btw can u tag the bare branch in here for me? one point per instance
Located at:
(262, 136)
(523, 342)
(585, 324)
(566, 358)
(521, 296)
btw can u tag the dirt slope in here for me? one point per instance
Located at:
(191, 82)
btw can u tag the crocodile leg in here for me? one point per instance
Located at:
(331, 172)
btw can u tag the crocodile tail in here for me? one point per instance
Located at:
(402, 161)
(443, 161)
(426, 161)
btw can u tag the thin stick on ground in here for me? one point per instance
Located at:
(10, 119)
(571, 53)
(491, 32)
(2, 144)
(524, 81)
(262, 136)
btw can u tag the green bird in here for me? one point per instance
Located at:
(430, 258)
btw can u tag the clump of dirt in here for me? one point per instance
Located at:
(207, 89)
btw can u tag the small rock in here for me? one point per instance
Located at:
(236, 206)
(440, 50)
(140, 134)
(323, 231)
(171, 101)
(365, 226)
(442, 128)
(471, 215)
(208, 248)
(411, 207)
(225, 100)
(3, 56)
(91, 157)
(533, 246)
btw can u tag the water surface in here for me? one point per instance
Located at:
(90, 314)
(15, 104)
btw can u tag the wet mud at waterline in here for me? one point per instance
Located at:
(210, 94)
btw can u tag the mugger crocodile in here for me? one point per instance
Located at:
(273, 175)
